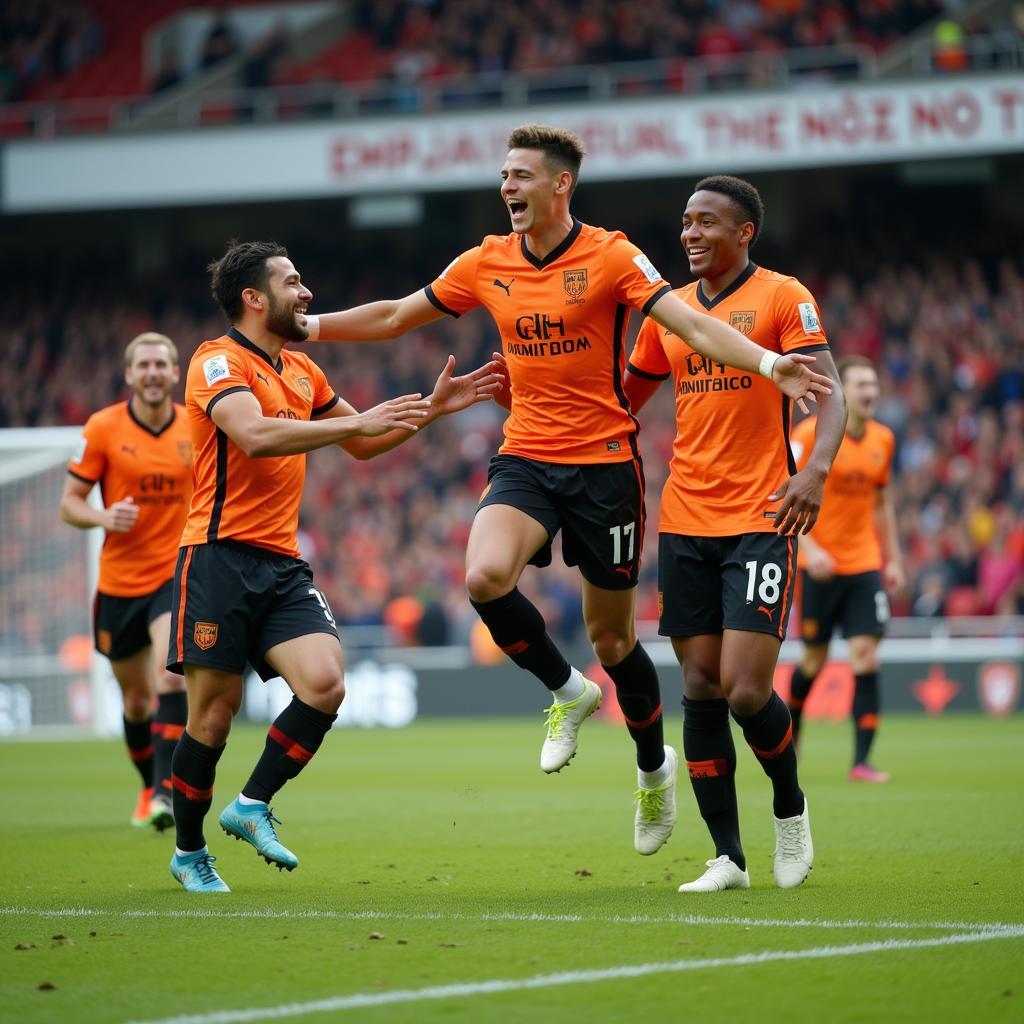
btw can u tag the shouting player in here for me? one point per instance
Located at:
(561, 292)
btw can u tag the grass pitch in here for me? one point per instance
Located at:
(443, 876)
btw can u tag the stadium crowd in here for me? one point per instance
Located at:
(466, 36)
(428, 40)
(949, 346)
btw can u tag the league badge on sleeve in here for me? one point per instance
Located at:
(647, 267)
(809, 317)
(215, 368)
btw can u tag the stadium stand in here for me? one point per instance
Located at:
(90, 56)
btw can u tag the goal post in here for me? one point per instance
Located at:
(51, 680)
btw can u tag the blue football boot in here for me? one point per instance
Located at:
(254, 824)
(196, 872)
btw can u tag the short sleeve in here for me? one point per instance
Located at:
(797, 319)
(634, 279)
(324, 397)
(454, 292)
(89, 462)
(648, 357)
(216, 373)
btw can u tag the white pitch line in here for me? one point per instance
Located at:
(496, 985)
(373, 915)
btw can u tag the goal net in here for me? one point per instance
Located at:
(50, 679)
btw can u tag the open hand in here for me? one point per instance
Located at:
(405, 413)
(451, 394)
(793, 376)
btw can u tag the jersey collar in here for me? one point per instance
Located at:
(558, 250)
(237, 336)
(143, 426)
(725, 293)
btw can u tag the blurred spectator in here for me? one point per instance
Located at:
(168, 75)
(220, 43)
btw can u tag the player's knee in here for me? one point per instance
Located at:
(325, 689)
(138, 703)
(487, 583)
(747, 696)
(333, 693)
(699, 684)
(811, 664)
(211, 724)
(610, 646)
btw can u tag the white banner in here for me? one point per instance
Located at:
(826, 126)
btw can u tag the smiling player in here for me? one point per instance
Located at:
(730, 512)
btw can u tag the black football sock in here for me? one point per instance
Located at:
(711, 762)
(519, 630)
(168, 725)
(799, 687)
(769, 733)
(866, 706)
(639, 695)
(292, 741)
(138, 737)
(193, 769)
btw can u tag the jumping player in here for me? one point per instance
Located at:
(560, 292)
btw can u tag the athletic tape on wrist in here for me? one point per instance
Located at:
(768, 361)
(313, 327)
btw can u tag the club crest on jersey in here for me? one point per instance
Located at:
(185, 452)
(205, 635)
(305, 387)
(743, 320)
(575, 284)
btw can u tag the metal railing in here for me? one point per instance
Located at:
(330, 100)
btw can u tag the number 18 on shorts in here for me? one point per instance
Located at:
(708, 584)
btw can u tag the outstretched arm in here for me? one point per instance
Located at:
(717, 340)
(374, 321)
(241, 417)
(450, 394)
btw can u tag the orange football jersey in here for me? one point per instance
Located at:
(563, 324)
(251, 501)
(846, 522)
(731, 449)
(154, 469)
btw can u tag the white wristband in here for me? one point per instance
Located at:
(313, 327)
(768, 361)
